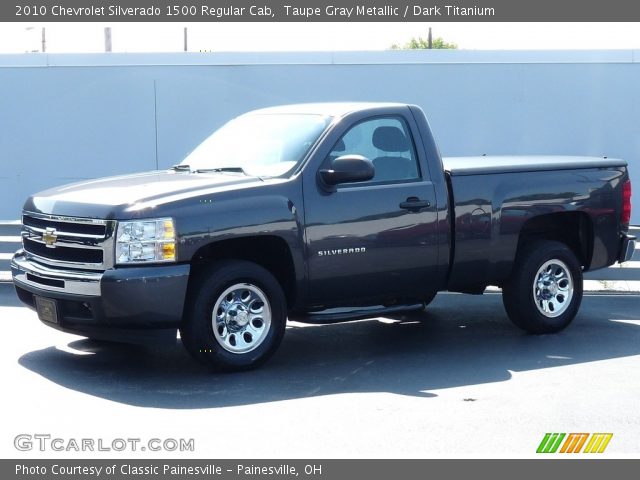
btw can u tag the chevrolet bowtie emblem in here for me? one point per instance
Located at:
(49, 237)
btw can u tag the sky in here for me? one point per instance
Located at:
(168, 37)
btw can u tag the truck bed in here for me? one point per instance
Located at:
(481, 165)
(560, 193)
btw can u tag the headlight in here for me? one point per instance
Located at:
(143, 241)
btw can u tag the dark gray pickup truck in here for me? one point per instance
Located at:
(317, 213)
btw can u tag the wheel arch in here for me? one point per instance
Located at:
(574, 229)
(271, 252)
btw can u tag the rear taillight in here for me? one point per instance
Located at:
(625, 216)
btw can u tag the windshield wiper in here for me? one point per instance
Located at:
(180, 168)
(222, 169)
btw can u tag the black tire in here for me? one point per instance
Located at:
(551, 308)
(224, 350)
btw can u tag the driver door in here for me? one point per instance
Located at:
(373, 240)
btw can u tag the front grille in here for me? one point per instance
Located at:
(74, 242)
(81, 228)
(64, 254)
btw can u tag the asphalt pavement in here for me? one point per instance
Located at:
(456, 380)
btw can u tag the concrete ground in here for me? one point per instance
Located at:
(458, 380)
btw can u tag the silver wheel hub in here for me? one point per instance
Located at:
(553, 288)
(241, 318)
(236, 317)
(547, 286)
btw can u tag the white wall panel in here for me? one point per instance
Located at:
(69, 117)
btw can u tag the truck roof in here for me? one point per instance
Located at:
(332, 109)
(480, 165)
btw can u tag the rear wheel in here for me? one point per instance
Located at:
(237, 319)
(544, 292)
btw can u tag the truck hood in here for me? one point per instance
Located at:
(117, 197)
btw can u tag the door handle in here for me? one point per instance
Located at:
(414, 204)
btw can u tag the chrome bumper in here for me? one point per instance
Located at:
(627, 248)
(27, 272)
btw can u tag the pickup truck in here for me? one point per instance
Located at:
(319, 213)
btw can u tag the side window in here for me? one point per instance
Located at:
(387, 143)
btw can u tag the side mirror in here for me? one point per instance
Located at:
(347, 169)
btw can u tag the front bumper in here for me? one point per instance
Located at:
(627, 247)
(118, 304)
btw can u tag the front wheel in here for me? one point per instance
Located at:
(237, 319)
(544, 292)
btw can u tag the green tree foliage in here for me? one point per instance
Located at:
(420, 43)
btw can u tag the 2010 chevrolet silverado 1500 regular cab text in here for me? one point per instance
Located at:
(316, 213)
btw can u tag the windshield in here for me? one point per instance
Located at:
(263, 145)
